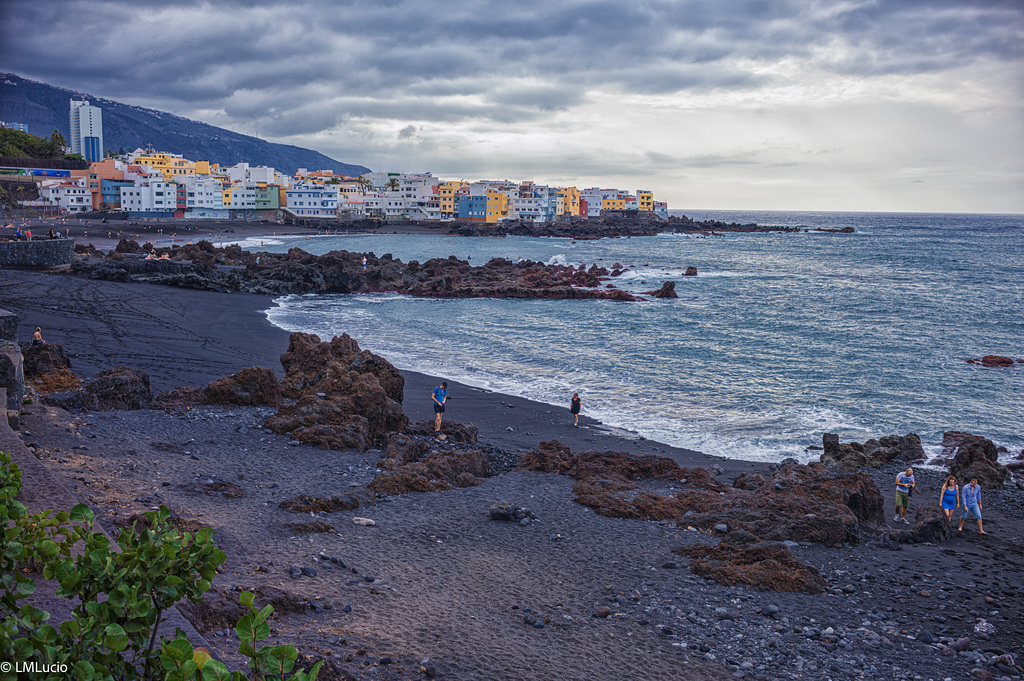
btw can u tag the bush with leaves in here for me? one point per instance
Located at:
(121, 596)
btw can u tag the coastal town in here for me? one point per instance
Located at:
(148, 183)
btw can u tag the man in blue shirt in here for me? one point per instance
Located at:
(971, 502)
(904, 485)
(439, 397)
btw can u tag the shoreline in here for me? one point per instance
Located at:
(213, 354)
(436, 578)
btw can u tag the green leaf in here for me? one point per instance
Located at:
(82, 513)
(49, 548)
(215, 670)
(252, 628)
(246, 598)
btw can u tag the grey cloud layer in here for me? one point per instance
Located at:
(386, 50)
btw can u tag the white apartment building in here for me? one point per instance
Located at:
(71, 196)
(86, 124)
(147, 196)
(307, 199)
(203, 194)
(530, 208)
(241, 172)
(243, 196)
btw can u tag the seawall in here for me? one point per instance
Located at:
(42, 253)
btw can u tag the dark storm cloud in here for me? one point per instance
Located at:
(310, 64)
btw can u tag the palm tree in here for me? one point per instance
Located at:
(393, 184)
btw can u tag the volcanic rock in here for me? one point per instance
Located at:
(347, 398)
(250, 387)
(873, 453)
(44, 358)
(740, 559)
(992, 361)
(435, 472)
(691, 271)
(667, 290)
(461, 433)
(120, 388)
(974, 457)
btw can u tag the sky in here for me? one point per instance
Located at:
(888, 105)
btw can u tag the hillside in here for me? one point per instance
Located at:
(45, 109)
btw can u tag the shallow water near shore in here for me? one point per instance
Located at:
(779, 338)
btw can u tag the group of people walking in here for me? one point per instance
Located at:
(951, 498)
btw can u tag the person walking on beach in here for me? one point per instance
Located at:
(439, 397)
(949, 498)
(37, 337)
(574, 408)
(972, 503)
(904, 488)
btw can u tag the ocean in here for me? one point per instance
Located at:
(779, 338)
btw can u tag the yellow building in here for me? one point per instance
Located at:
(645, 199)
(613, 204)
(227, 195)
(570, 201)
(497, 205)
(446, 197)
(172, 167)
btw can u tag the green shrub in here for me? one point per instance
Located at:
(120, 598)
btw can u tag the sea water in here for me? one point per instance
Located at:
(779, 338)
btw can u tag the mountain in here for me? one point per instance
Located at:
(45, 109)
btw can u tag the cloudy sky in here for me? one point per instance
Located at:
(747, 104)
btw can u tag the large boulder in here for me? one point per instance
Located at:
(874, 453)
(307, 358)
(44, 358)
(120, 388)
(250, 387)
(974, 457)
(345, 398)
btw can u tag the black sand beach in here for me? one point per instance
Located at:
(437, 580)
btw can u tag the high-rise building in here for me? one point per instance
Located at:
(86, 130)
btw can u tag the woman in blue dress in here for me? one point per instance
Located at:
(949, 497)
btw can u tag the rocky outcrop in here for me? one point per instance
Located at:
(435, 472)
(798, 503)
(204, 266)
(417, 463)
(973, 456)
(741, 559)
(455, 433)
(250, 387)
(341, 401)
(691, 271)
(995, 361)
(667, 290)
(44, 358)
(874, 453)
(930, 526)
(117, 389)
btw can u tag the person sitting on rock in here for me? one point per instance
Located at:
(949, 498)
(971, 502)
(439, 397)
(37, 337)
(904, 488)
